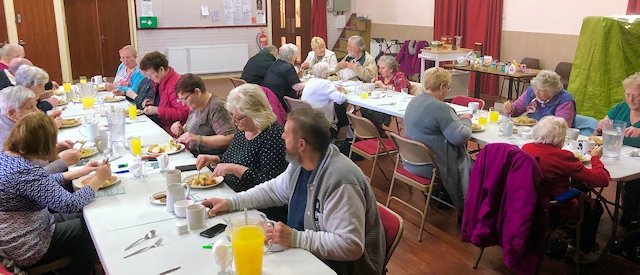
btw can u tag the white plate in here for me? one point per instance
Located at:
(180, 145)
(70, 122)
(117, 98)
(78, 183)
(190, 178)
(582, 158)
(158, 201)
(93, 152)
(478, 130)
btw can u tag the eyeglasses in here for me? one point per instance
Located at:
(448, 88)
(184, 100)
(238, 119)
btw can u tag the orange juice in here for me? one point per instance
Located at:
(364, 95)
(136, 146)
(133, 112)
(83, 79)
(482, 120)
(66, 86)
(87, 102)
(493, 116)
(248, 248)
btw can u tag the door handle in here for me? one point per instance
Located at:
(103, 38)
(21, 42)
(19, 18)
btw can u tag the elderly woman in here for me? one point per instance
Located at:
(128, 76)
(164, 108)
(9, 52)
(389, 75)
(281, 77)
(29, 235)
(209, 128)
(629, 112)
(358, 60)
(18, 101)
(560, 166)
(444, 132)
(320, 53)
(35, 78)
(321, 94)
(257, 152)
(546, 96)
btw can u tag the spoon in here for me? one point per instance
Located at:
(147, 236)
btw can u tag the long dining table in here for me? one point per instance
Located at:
(126, 211)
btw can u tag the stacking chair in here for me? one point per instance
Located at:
(237, 81)
(564, 70)
(521, 83)
(464, 101)
(417, 153)
(393, 229)
(293, 103)
(368, 143)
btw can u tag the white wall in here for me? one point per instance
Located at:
(545, 16)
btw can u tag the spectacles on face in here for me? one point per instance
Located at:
(184, 100)
(448, 88)
(236, 119)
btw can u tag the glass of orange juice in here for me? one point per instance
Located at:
(247, 240)
(482, 117)
(66, 86)
(136, 145)
(133, 112)
(87, 102)
(83, 79)
(493, 115)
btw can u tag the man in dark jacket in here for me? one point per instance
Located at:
(256, 67)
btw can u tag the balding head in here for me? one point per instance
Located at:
(11, 51)
(17, 62)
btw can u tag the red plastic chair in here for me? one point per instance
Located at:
(393, 228)
(464, 101)
(368, 143)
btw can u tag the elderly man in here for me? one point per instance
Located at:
(257, 66)
(9, 52)
(128, 76)
(282, 77)
(358, 60)
(332, 209)
(7, 77)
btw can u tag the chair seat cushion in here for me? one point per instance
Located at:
(369, 146)
(416, 178)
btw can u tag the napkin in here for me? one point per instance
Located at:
(163, 160)
(110, 191)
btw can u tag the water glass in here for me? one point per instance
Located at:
(405, 93)
(493, 115)
(612, 137)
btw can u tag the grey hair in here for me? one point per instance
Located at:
(250, 100)
(271, 49)
(13, 96)
(131, 49)
(320, 69)
(31, 76)
(550, 130)
(287, 52)
(358, 40)
(548, 80)
(12, 51)
(15, 63)
(632, 81)
(390, 61)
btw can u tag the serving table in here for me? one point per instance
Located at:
(529, 73)
(438, 55)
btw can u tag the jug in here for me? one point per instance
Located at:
(87, 95)
(507, 128)
(176, 192)
(116, 121)
(247, 239)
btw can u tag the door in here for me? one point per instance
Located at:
(291, 23)
(96, 37)
(36, 26)
(4, 35)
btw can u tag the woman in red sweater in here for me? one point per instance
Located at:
(559, 167)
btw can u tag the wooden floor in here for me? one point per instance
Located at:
(441, 251)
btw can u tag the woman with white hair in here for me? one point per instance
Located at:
(320, 53)
(35, 78)
(282, 77)
(546, 96)
(559, 167)
(321, 94)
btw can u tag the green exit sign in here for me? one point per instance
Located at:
(148, 22)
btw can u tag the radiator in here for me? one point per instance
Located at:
(208, 59)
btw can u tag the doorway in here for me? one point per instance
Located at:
(97, 35)
(291, 23)
(36, 26)
(4, 34)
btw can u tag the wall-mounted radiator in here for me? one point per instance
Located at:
(208, 59)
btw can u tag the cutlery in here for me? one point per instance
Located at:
(390, 104)
(156, 244)
(149, 235)
(169, 271)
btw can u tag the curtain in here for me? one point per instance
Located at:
(319, 19)
(633, 7)
(476, 21)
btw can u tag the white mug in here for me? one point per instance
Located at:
(176, 192)
(174, 176)
(586, 146)
(195, 216)
(473, 106)
(573, 133)
(91, 130)
(97, 80)
(180, 207)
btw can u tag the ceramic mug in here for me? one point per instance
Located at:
(180, 207)
(195, 216)
(97, 80)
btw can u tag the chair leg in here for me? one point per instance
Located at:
(373, 168)
(424, 212)
(475, 265)
(393, 180)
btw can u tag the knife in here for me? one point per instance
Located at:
(169, 271)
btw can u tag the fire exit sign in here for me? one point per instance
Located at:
(148, 22)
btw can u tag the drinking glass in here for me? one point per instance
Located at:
(482, 117)
(66, 86)
(83, 79)
(493, 115)
(133, 109)
(136, 145)
(247, 239)
(405, 94)
(390, 90)
(612, 137)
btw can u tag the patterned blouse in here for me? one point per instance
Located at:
(263, 155)
(26, 193)
(398, 81)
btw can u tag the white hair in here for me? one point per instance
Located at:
(550, 130)
(320, 69)
(31, 76)
(287, 52)
(548, 80)
(13, 96)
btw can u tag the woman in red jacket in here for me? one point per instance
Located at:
(559, 167)
(164, 108)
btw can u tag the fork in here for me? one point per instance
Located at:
(154, 245)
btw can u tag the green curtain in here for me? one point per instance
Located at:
(608, 51)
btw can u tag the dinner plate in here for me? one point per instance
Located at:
(479, 129)
(162, 201)
(86, 152)
(62, 102)
(138, 112)
(188, 180)
(523, 124)
(148, 151)
(116, 98)
(582, 158)
(81, 182)
(70, 122)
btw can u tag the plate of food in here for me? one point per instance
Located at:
(116, 98)
(138, 112)
(477, 127)
(82, 181)
(172, 147)
(62, 102)
(159, 198)
(596, 139)
(86, 152)
(58, 92)
(203, 180)
(524, 121)
(101, 88)
(70, 122)
(581, 157)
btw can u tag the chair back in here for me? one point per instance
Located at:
(362, 127)
(564, 70)
(464, 101)
(411, 151)
(532, 63)
(393, 228)
(416, 88)
(237, 81)
(293, 103)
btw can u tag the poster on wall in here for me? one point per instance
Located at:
(237, 12)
